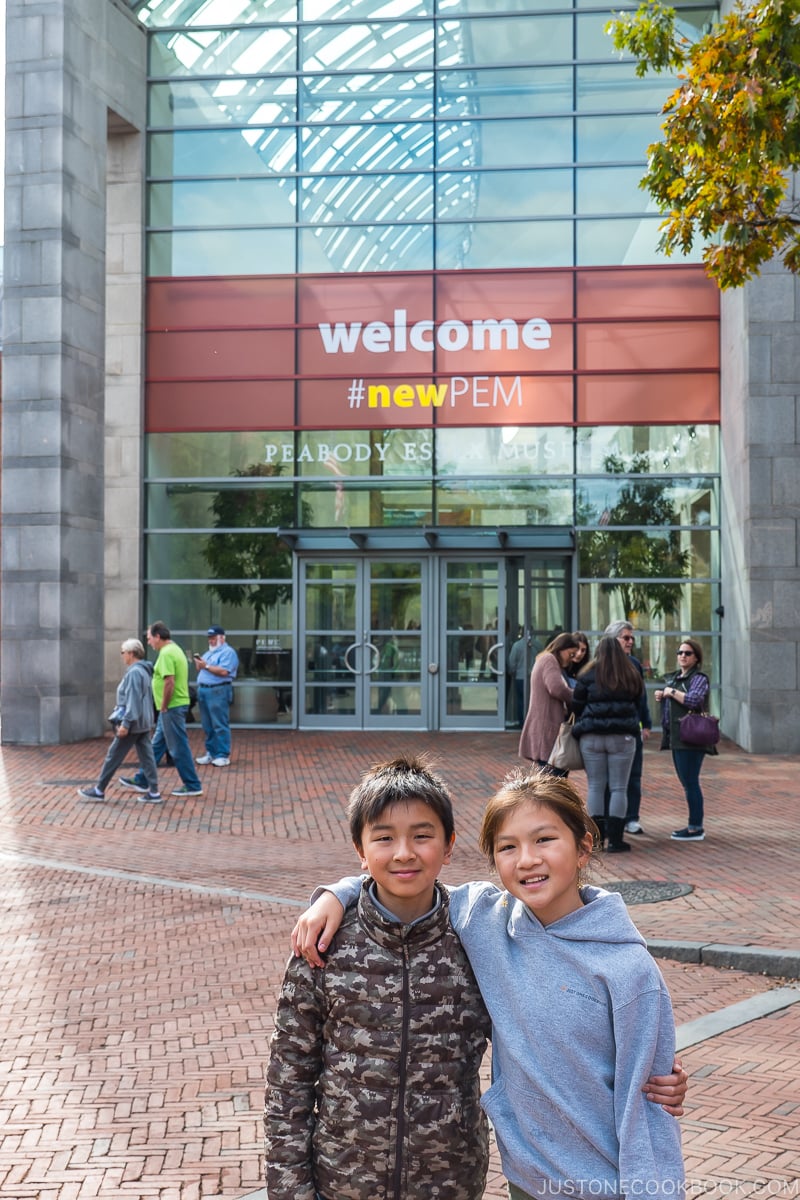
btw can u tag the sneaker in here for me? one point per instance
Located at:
(221, 762)
(187, 791)
(204, 760)
(91, 793)
(151, 798)
(130, 782)
(633, 827)
(688, 835)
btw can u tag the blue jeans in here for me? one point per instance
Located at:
(687, 765)
(215, 717)
(607, 758)
(635, 782)
(170, 735)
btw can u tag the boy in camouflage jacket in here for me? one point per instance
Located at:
(372, 1086)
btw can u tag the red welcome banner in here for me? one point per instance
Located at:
(610, 346)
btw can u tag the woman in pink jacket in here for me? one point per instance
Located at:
(549, 696)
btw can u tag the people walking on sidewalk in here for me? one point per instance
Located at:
(624, 632)
(132, 719)
(216, 671)
(686, 690)
(606, 704)
(171, 697)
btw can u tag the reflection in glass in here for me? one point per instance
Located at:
(366, 248)
(363, 452)
(507, 449)
(503, 40)
(657, 448)
(498, 194)
(503, 502)
(192, 453)
(205, 504)
(197, 202)
(348, 502)
(264, 100)
(505, 91)
(482, 245)
(222, 252)
(646, 499)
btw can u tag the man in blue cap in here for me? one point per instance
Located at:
(216, 671)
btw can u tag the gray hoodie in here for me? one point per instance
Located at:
(581, 1018)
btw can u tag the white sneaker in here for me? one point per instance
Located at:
(204, 760)
(221, 762)
(633, 827)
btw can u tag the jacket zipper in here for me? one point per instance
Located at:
(397, 1189)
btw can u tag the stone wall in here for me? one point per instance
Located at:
(70, 63)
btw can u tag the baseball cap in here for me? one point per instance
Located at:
(215, 631)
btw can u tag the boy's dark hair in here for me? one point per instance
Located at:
(400, 781)
(159, 629)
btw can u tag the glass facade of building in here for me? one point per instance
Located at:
(409, 389)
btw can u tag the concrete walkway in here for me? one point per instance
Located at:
(143, 945)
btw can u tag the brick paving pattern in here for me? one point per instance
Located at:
(143, 946)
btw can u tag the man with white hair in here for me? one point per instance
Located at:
(624, 632)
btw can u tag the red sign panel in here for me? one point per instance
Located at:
(624, 346)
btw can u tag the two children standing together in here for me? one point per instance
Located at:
(373, 1082)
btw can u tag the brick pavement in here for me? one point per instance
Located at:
(142, 947)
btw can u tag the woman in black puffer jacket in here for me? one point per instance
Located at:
(606, 703)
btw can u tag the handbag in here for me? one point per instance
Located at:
(566, 753)
(699, 729)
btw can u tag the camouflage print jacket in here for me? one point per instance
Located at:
(372, 1087)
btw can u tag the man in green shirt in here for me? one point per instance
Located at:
(171, 696)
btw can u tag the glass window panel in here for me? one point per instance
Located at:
(688, 553)
(387, 96)
(366, 47)
(505, 92)
(498, 244)
(646, 500)
(511, 40)
(217, 454)
(592, 39)
(609, 87)
(501, 194)
(321, 10)
(492, 6)
(605, 190)
(603, 601)
(367, 505)
(508, 449)
(503, 143)
(187, 12)
(367, 147)
(366, 248)
(217, 556)
(266, 100)
(618, 241)
(194, 606)
(617, 138)
(251, 151)
(371, 452)
(503, 502)
(222, 252)
(271, 50)
(366, 198)
(221, 202)
(222, 504)
(657, 448)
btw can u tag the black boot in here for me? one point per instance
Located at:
(600, 822)
(616, 828)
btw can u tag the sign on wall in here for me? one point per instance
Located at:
(613, 346)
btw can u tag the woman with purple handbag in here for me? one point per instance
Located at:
(685, 694)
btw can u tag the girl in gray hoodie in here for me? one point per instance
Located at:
(581, 1016)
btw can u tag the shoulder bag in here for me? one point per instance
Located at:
(699, 729)
(566, 753)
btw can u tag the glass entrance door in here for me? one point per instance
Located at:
(473, 644)
(363, 643)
